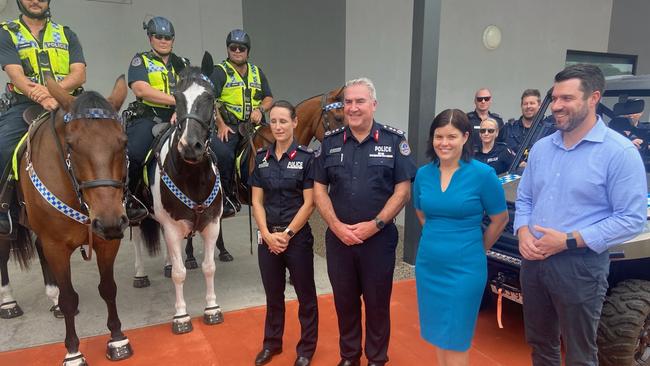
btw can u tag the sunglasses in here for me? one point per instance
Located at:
(237, 48)
(161, 37)
(486, 130)
(483, 99)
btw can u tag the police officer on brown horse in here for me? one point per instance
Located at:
(32, 47)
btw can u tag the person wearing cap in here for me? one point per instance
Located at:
(244, 95)
(32, 48)
(152, 78)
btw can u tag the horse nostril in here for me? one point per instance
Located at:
(198, 146)
(124, 221)
(97, 226)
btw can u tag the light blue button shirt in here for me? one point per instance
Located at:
(596, 187)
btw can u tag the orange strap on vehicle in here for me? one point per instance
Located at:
(500, 308)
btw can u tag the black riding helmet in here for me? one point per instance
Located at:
(159, 25)
(238, 36)
(46, 13)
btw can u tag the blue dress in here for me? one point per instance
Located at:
(451, 267)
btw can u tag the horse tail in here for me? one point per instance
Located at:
(22, 248)
(150, 232)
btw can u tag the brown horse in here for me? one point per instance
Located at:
(72, 182)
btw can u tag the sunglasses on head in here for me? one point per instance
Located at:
(483, 99)
(161, 37)
(237, 48)
(486, 130)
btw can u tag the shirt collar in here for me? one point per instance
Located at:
(374, 133)
(596, 134)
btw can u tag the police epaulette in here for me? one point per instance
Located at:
(334, 132)
(11, 25)
(262, 149)
(393, 130)
(305, 149)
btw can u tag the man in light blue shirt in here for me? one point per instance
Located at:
(583, 191)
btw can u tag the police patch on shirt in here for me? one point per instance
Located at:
(294, 165)
(317, 152)
(137, 61)
(404, 148)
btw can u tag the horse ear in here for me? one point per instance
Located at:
(207, 65)
(117, 97)
(64, 99)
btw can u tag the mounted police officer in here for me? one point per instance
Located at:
(32, 47)
(482, 103)
(152, 78)
(244, 94)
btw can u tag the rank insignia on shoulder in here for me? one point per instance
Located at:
(137, 61)
(305, 149)
(404, 148)
(335, 131)
(393, 130)
(261, 149)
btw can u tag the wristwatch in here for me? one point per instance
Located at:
(289, 232)
(380, 224)
(571, 242)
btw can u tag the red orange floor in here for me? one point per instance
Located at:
(238, 339)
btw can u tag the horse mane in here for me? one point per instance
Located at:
(190, 75)
(90, 99)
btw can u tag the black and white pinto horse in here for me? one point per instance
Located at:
(186, 190)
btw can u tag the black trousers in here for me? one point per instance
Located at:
(138, 144)
(564, 294)
(364, 270)
(225, 152)
(299, 259)
(12, 129)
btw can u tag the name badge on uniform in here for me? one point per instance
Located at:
(382, 152)
(294, 165)
(489, 160)
(335, 150)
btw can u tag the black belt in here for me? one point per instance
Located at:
(277, 228)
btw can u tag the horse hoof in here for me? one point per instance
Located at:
(225, 256)
(211, 318)
(119, 350)
(168, 271)
(182, 324)
(56, 311)
(190, 263)
(141, 282)
(10, 310)
(78, 360)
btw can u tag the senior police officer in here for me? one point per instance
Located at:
(31, 48)
(244, 94)
(152, 78)
(482, 103)
(368, 169)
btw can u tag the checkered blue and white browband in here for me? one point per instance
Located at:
(54, 201)
(509, 178)
(92, 113)
(331, 106)
(188, 201)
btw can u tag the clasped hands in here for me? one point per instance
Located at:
(354, 234)
(41, 95)
(551, 242)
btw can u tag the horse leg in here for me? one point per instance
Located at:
(167, 269)
(181, 322)
(224, 256)
(212, 313)
(8, 306)
(51, 288)
(118, 347)
(141, 279)
(190, 261)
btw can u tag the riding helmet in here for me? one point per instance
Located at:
(160, 26)
(238, 36)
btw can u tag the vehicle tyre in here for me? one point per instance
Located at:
(624, 329)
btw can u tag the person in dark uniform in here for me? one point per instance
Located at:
(482, 103)
(517, 130)
(368, 169)
(31, 48)
(244, 94)
(152, 78)
(282, 203)
(493, 153)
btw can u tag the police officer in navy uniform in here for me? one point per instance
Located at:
(244, 95)
(152, 78)
(482, 103)
(32, 47)
(493, 153)
(368, 170)
(517, 129)
(282, 203)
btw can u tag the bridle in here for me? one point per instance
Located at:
(325, 108)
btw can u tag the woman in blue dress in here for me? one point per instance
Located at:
(451, 194)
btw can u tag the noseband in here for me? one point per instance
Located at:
(326, 108)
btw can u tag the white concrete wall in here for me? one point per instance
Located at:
(378, 46)
(112, 33)
(536, 35)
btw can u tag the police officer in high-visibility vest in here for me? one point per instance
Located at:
(152, 78)
(32, 47)
(244, 94)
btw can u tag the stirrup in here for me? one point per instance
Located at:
(138, 210)
(10, 233)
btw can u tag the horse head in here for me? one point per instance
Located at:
(332, 107)
(195, 123)
(94, 146)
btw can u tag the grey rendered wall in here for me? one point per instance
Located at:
(112, 33)
(629, 31)
(299, 44)
(536, 35)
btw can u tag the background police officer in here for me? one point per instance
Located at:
(369, 171)
(31, 48)
(482, 103)
(282, 203)
(244, 94)
(493, 153)
(517, 130)
(152, 77)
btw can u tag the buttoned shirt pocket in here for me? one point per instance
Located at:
(334, 167)
(292, 179)
(380, 171)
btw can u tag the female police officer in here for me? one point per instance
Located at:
(493, 153)
(282, 204)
